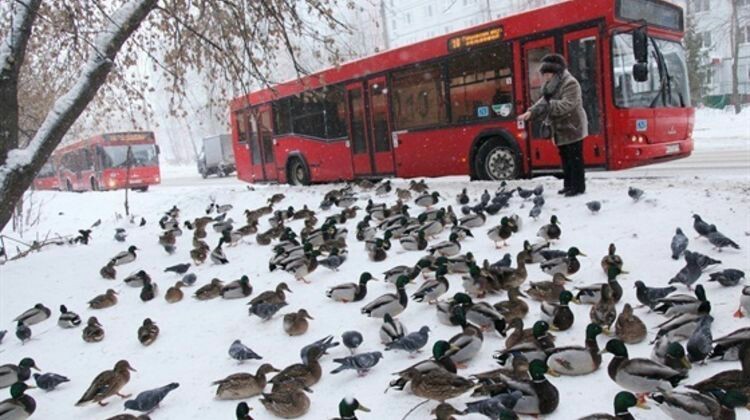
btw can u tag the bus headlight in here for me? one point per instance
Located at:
(111, 182)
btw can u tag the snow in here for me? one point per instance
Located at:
(195, 336)
(722, 129)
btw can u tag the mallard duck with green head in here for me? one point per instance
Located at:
(539, 396)
(575, 360)
(591, 294)
(623, 402)
(681, 303)
(500, 233)
(389, 303)
(730, 380)
(10, 373)
(567, 265)
(19, 406)
(671, 354)
(432, 289)
(558, 315)
(548, 290)
(639, 375)
(440, 360)
(348, 408)
(715, 404)
(551, 231)
(240, 386)
(466, 344)
(350, 292)
(447, 248)
(535, 349)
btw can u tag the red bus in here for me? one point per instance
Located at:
(101, 162)
(47, 178)
(448, 105)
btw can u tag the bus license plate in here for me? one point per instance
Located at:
(673, 148)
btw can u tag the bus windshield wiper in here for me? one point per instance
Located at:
(665, 88)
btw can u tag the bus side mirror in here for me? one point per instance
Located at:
(640, 53)
(640, 72)
(158, 150)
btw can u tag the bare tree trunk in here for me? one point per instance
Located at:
(18, 170)
(735, 38)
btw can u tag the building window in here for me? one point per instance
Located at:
(705, 39)
(745, 35)
(481, 84)
(701, 5)
(418, 97)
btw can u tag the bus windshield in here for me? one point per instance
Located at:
(667, 84)
(116, 156)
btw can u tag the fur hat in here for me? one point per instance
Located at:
(553, 63)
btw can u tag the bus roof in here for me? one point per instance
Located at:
(121, 137)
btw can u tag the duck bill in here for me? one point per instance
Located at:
(132, 369)
(642, 404)
(36, 368)
(363, 408)
(582, 254)
(603, 351)
(624, 272)
(553, 373)
(686, 363)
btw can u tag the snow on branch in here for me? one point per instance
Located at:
(22, 19)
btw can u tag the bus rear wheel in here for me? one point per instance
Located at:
(94, 185)
(496, 161)
(297, 173)
(68, 186)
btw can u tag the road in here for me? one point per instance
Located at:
(703, 162)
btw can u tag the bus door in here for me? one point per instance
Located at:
(543, 151)
(265, 136)
(582, 52)
(379, 129)
(361, 159)
(242, 151)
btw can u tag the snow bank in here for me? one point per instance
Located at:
(720, 129)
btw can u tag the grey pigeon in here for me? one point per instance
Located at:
(689, 274)
(720, 241)
(49, 381)
(120, 235)
(538, 201)
(241, 352)
(699, 344)
(352, 340)
(323, 345)
(679, 244)
(649, 296)
(535, 212)
(703, 261)
(539, 190)
(179, 268)
(23, 332)
(701, 226)
(411, 342)
(465, 210)
(503, 262)
(2, 335)
(189, 279)
(594, 206)
(333, 261)
(264, 310)
(147, 401)
(485, 197)
(729, 277)
(525, 194)
(635, 193)
(360, 362)
(494, 407)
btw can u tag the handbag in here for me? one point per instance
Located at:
(545, 129)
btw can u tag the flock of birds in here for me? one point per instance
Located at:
(519, 385)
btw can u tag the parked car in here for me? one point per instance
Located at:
(216, 156)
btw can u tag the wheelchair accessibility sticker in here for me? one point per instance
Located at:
(641, 125)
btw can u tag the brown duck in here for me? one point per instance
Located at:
(272, 296)
(209, 291)
(148, 332)
(548, 291)
(199, 254)
(521, 335)
(611, 259)
(93, 332)
(604, 312)
(288, 402)
(104, 301)
(174, 293)
(307, 373)
(240, 386)
(296, 323)
(108, 271)
(514, 307)
(107, 384)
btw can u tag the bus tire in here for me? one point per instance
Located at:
(94, 185)
(68, 186)
(496, 160)
(297, 173)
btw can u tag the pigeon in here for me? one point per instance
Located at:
(720, 241)
(635, 193)
(535, 212)
(594, 206)
(97, 223)
(701, 226)
(179, 268)
(265, 310)
(2, 335)
(323, 345)
(525, 194)
(352, 340)
(334, 260)
(462, 198)
(729, 277)
(649, 296)
(538, 201)
(679, 244)
(689, 274)
(120, 235)
(485, 197)
(494, 407)
(539, 190)
(49, 381)
(503, 262)
(699, 344)
(147, 401)
(362, 362)
(189, 279)
(23, 332)
(143, 222)
(241, 352)
(411, 342)
(703, 261)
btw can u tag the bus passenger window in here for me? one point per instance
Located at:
(418, 97)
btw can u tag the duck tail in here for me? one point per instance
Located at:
(675, 380)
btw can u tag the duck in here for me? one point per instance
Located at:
(714, 404)
(272, 296)
(414, 242)
(389, 303)
(10, 373)
(485, 316)
(514, 307)
(296, 323)
(548, 291)
(418, 186)
(447, 248)
(34, 315)
(301, 267)
(466, 344)
(681, 327)
(639, 375)
(288, 402)
(237, 289)
(307, 373)
(508, 277)
(728, 347)
(432, 289)
(124, 257)
(23, 333)
(575, 360)
(349, 406)
(473, 220)
(391, 330)
(539, 396)
(378, 252)
(242, 412)
(148, 332)
(518, 334)
(108, 272)
(107, 384)
(199, 254)
(93, 332)
(536, 251)
(477, 283)
(350, 292)
(109, 298)
(681, 303)
(19, 405)
(535, 348)
(730, 380)
(209, 291)
(501, 232)
(427, 200)
(604, 312)
(217, 254)
(671, 354)
(149, 291)
(174, 294)
(611, 259)
(438, 384)
(68, 319)
(440, 360)
(628, 327)
(551, 231)
(591, 294)
(240, 386)
(744, 308)
(559, 315)
(567, 265)
(623, 402)
(137, 279)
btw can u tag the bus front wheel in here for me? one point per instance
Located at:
(94, 185)
(497, 161)
(297, 173)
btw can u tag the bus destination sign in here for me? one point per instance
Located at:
(477, 38)
(128, 137)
